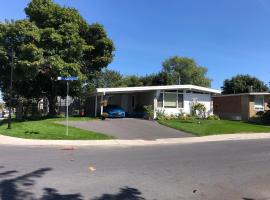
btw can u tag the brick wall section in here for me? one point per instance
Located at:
(228, 107)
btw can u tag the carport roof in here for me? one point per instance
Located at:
(153, 88)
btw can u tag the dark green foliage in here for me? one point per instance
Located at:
(53, 41)
(178, 70)
(186, 70)
(104, 78)
(243, 84)
(131, 81)
(174, 69)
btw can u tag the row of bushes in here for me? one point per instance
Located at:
(263, 115)
(183, 116)
(198, 112)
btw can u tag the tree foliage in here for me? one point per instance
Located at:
(174, 69)
(243, 84)
(186, 70)
(53, 41)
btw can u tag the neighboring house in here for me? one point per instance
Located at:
(74, 105)
(242, 106)
(170, 99)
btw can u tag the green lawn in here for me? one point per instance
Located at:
(213, 127)
(49, 129)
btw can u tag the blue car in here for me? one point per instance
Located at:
(114, 111)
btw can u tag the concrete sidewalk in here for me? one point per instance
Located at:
(6, 140)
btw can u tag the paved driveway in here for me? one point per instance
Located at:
(128, 128)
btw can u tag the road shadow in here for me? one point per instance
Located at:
(18, 187)
(125, 193)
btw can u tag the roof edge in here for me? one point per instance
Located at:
(243, 94)
(160, 87)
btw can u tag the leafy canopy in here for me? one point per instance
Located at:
(243, 84)
(53, 41)
(186, 70)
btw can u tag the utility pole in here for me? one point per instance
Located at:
(10, 87)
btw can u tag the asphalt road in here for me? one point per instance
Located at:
(208, 171)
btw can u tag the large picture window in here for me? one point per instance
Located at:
(259, 102)
(170, 99)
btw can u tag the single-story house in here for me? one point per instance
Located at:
(241, 106)
(170, 99)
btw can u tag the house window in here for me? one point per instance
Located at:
(170, 99)
(259, 102)
(160, 101)
(180, 101)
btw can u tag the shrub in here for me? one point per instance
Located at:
(104, 116)
(260, 113)
(149, 111)
(198, 110)
(213, 117)
(266, 115)
(161, 114)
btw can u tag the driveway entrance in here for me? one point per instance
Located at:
(129, 128)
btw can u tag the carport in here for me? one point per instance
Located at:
(130, 101)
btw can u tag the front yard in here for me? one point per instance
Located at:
(49, 129)
(214, 127)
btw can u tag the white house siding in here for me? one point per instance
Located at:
(189, 99)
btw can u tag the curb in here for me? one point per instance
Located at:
(7, 140)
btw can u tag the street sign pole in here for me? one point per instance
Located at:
(67, 79)
(67, 109)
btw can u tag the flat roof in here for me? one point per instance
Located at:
(161, 87)
(243, 94)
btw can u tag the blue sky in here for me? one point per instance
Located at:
(228, 37)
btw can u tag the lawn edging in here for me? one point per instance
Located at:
(13, 141)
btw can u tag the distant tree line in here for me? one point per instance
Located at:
(175, 70)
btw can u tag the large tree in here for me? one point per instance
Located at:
(53, 41)
(184, 70)
(243, 84)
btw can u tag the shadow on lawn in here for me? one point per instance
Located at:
(31, 132)
(18, 187)
(263, 123)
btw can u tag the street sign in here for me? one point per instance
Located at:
(70, 78)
